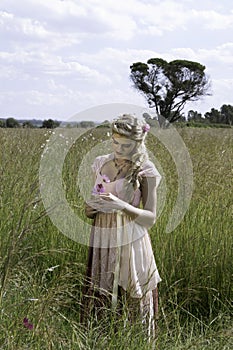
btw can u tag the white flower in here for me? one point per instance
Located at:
(50, 269)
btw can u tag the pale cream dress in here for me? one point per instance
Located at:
(120, 252)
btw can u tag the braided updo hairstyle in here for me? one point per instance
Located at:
(134, 129)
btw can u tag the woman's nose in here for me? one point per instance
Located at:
(119, 148)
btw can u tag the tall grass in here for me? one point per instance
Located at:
(42, 270)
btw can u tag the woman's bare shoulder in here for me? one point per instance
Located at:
(100, 160)
(149, 170)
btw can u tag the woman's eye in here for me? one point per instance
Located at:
(122, 145)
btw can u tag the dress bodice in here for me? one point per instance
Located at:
(117, 187)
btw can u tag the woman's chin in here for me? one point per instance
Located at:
(119, 155)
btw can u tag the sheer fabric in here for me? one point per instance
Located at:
(120, 254)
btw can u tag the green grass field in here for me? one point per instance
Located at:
(42, 270)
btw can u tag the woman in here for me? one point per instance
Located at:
(121, 263)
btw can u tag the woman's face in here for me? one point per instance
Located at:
(123, 147)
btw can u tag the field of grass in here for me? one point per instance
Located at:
(41, 270)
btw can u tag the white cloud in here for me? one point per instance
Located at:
(29, 34)
(49, 64)
(64, 23)
(9, 23)
(213, 20)
(67, 55)
(218, 60)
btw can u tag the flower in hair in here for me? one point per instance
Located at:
(146, 128)
(105, 178)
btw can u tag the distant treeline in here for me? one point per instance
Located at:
(214, 118)
(47, 123)
(224, 116)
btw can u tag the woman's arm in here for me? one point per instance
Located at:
(146, 216)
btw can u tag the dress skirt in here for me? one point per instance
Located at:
(121, 265)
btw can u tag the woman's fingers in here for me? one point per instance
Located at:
(90, 212)
(99, 204)
(107, 196)
(106, 202)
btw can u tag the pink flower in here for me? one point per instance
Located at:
(99, 188)
(27, 324)
(105, 178)
(146, 128)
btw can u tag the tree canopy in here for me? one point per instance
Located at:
(168, 86)
(50, 124)
(227, 114)
(12, 123)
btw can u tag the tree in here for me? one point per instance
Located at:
(227, 114)
(194, 116)
(50, 124)
(2, 123)
(12, 123)
(87, 124)
(169, 86)
(214, 116)
(28, 124)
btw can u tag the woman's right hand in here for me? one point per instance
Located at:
(90, 212)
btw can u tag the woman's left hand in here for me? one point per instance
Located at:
(112, 202)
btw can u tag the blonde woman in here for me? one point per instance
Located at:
(121, 263)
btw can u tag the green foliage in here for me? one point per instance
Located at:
(12, 123)
(227, 114)
(28, 124)
(202, 124)
(50, 124)
(194, 116)
(2, 123)
(86, 124)
(214, 118)
(42, 271)
(105, 124)
(224, 116)
(167, 87)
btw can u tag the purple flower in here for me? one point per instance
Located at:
(27, 324)
(105, 178)
(99, 188)
(146, 128)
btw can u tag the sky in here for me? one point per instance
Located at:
(61, 57)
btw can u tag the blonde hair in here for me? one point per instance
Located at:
(131, 127)
(134, 129)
